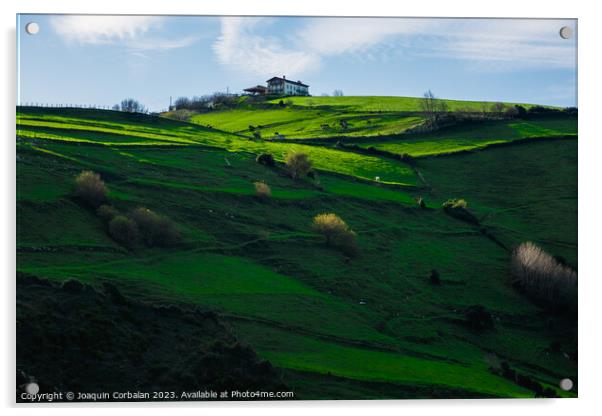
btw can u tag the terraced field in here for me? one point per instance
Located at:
(370, 326)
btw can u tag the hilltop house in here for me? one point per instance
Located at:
(279, 86)
(283, 86)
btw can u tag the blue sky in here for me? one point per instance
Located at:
(100, 60)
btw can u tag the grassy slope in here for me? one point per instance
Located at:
(476, 136)
(90, 127)
(380, 103)
(304, 123)
(294, 299)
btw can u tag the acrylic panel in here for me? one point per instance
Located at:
(295, 208)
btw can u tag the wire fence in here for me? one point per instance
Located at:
(86, 106)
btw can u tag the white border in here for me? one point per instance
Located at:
(590, 202)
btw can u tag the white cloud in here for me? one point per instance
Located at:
(240, 48)
(102, 29)
(132, 32)
(492, 44)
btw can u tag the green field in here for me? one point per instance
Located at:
(380, 103)
(369, 326)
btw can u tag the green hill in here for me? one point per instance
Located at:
(370, 325)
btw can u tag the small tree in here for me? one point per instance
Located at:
(90, 188)
(337, 93)
(107, 212)
(155, 229)
(262, 190)
(132, 106)
(543, 277)
(432, 108)
(298, 164)
(266, 159)
(336, 231)
(123, 230)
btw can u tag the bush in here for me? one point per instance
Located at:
(90, 188)
(107, 212)
(123, 230)
(478, 318)
(180, 115)
(457, 209)
(155, 229)
(336, 231)
(266, 159)
(541, 276)
(262, 190)
(298, 164)
(455, 204)
(257, 135)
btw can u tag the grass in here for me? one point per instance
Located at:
(380, 103)
(475, 137)
(373, 323)
(303, 123)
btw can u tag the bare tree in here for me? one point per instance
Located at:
(132, 106)
(432, 107)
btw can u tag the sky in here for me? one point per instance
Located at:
(100, 60)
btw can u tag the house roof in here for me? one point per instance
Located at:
(257, 88)
(288, 80)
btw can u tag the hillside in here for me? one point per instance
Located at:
(336, 326)
(348, 118)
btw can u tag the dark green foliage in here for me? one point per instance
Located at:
(521, 112)
(155, 230)
(524, 380)
(478, 318)
(113, 293)
(107, 212)
(87, 340)
(124, 230)
(72, 286)
(257, 135)
(266, 159)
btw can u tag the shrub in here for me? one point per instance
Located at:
(155, 229)
(90, 188)
(262, 190)
(180, 115)
(455, 204)
(336, 231)
(123, 230)
(107, 212)
(298, 164)
(257, 135)
(478, 318)
(541, 276)
(266, 159)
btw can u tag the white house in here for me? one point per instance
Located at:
(283, 86)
